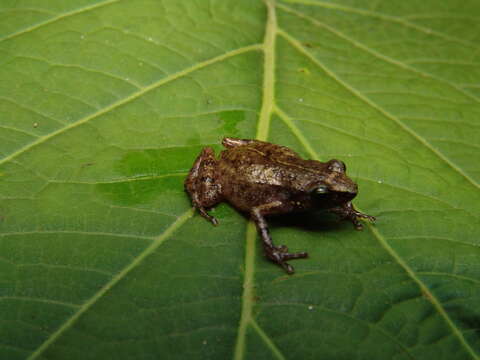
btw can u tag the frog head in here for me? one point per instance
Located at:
(334, 186)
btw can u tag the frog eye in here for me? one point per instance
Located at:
(337, 166)
(322, 189)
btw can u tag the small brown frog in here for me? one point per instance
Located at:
(264, 179)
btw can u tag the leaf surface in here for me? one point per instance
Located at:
(105, 105)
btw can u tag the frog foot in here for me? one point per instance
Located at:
(207, 216)
(280, 254)
(354, 218)
(348, 212)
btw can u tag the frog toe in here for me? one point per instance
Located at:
(299, 255)
(288, 268)
(207, 216)
(358, 226)
(280, 255)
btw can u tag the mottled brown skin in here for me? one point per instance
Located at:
(264, 179)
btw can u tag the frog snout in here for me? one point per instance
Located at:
(350, 194)
(350, 191)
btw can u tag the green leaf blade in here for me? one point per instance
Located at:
(105, 107)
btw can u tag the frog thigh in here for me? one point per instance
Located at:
(259, 145)
(229, 142)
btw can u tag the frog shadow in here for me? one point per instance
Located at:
(317, 221)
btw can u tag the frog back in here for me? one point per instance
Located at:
(265, 164)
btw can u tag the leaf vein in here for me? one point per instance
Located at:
(119, 181)
(296, 44)
(430, 296)
(58, 18)
(369, 324)
(436, 304)
(267, 340)
(18, 131)
(459, 277)
(90, 233)
(262, 134)
(65, 267)
(30, 110)
(401, 64)
(384, 17)
(440, 238)
(131, 98)
(46, 301)
(159, 240)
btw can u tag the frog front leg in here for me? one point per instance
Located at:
(201, 184)
(276, 254)
(348, 212)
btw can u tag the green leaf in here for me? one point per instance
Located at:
(105, 105)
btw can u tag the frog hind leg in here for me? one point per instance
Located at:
(201, 184)
(229, 142)
(259, 145)
(276, 254)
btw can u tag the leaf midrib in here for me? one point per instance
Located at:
(262, 134)
(392, 253)
(251, 234)
(268, 108)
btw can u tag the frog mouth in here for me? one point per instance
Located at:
(343, 196)
(349, 195)
(334, 198)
